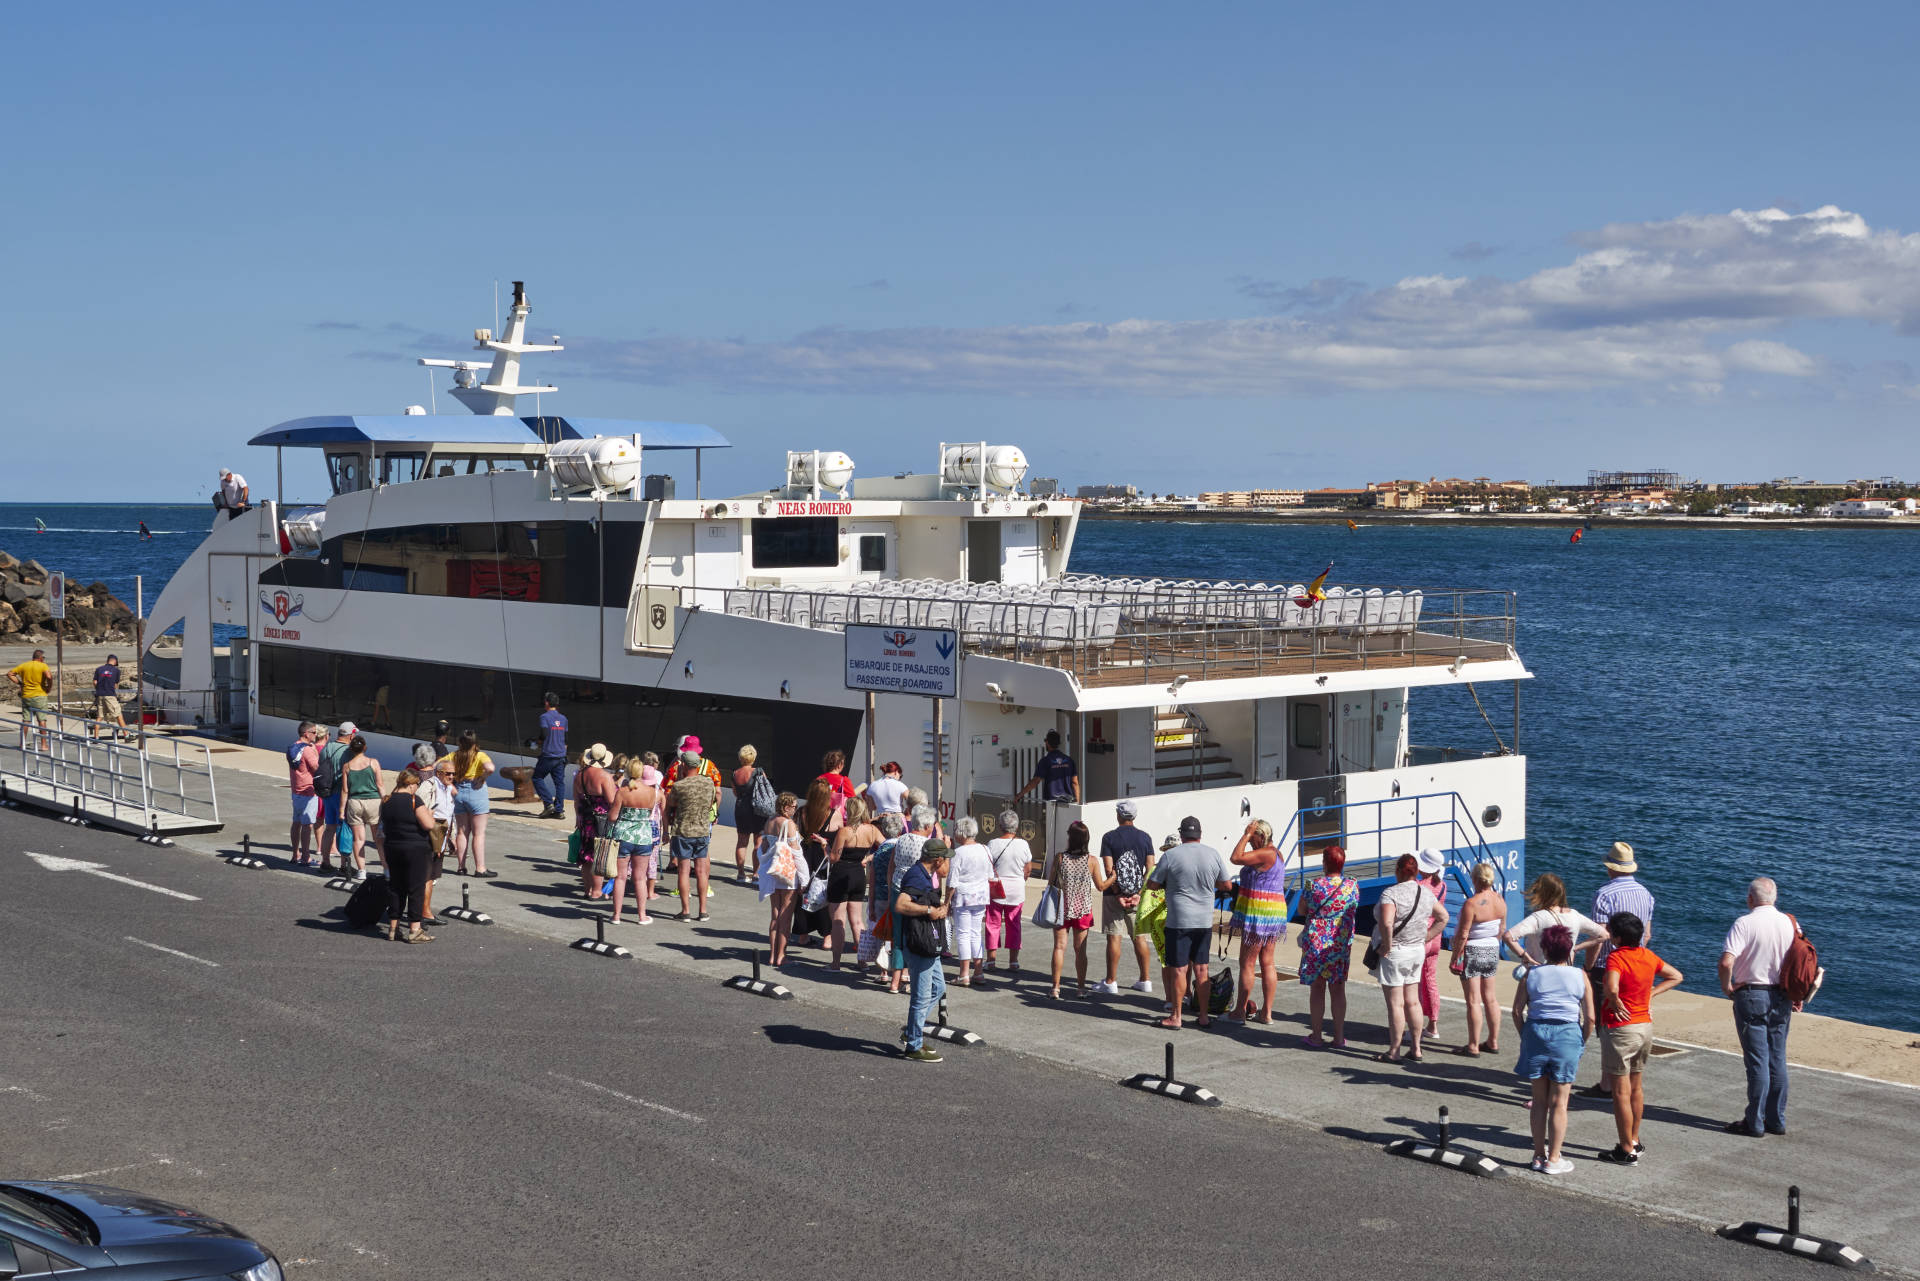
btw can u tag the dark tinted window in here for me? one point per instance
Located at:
(796, 542)
(503, 708)
(873, 553)
(559, 562)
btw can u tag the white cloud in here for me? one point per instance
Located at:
(1676, 307)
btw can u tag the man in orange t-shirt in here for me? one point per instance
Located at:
(1634, 977)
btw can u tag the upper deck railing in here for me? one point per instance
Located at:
(1140, 631)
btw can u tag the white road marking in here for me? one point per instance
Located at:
(628, 1098)
(55, 863)
(185, 956)
(111, 1169)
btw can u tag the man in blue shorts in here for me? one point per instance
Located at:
(1192, 874)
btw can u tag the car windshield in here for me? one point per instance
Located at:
(48, 1214)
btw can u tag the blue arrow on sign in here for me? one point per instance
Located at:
(945, 645)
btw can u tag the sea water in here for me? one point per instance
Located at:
(1732, 703)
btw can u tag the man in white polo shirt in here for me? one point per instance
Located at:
(1750, 962)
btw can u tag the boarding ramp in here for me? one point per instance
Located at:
(78, 768)
(1376, 833)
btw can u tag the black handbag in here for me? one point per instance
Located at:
(921, 934)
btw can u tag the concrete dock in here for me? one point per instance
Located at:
(1854, 1117)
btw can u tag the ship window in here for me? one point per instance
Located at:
(1309, 726)
(397, 469)
(348, 472)
(796, 542)
(873, 553)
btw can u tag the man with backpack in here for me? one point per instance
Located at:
(326, 785)
(1768, 970)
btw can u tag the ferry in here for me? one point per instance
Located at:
(465, 565)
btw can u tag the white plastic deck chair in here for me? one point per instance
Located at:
(1057, 626)
(1372, 606)
(1410, 618)
(800, 609)
(941, 613)
(832, 610)
(869, 609)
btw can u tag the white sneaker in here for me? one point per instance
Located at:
(1143, 986)
(1562, 1166)
(1108, 989)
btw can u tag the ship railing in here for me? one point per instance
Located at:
(104, 770)
(1375, 834)
(1128, 640)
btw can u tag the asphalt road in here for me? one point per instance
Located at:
(495, 1105)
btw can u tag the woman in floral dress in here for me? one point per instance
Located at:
(1326, 940)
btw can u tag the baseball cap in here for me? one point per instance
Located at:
(1127, 809)
(1189, 828)
(348, 729)
(934, 849)
(441, 727)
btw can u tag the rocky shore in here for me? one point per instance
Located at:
(94, 615)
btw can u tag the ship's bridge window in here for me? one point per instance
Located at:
(796, 542)
(397, 469)
(349, 472)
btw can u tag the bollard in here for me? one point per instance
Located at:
(1171, 1087)
(940, 1031)
(1446, 1155)
(598, 944)
(1792, 1242)
(754, 984)
(465, 911)
(245, 857)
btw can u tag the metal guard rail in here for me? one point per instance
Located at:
(164, 778)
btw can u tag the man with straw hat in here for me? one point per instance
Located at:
(1620, 893)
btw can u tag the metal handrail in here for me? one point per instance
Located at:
(1084, 639)
(1461, 828)
(112, 771)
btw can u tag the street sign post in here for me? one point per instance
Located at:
(57, 603)
(906, 660)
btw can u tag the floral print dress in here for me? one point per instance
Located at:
(1326, 935)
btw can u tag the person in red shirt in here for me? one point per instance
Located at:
(833, 773)
(1634, 977)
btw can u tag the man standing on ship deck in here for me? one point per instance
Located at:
(1055, 774)
(234, 493)
(550, 768)
(1620, 893)
(1750, 964)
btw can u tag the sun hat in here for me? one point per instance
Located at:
(691, 743)
(1620, 859)
(1430, 861)
(1127, 809)
(599, 755)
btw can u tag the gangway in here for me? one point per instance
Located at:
(77, 768)
(1438, 820)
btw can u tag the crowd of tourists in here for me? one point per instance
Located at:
(869, 874)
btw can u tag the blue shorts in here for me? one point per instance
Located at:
(472, 798)
(330, 810)
(690, 847)
(306, 809)
(1187, 947)
(1551, 1049)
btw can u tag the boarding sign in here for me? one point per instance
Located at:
(903, 660)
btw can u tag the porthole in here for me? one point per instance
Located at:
(1490, 816)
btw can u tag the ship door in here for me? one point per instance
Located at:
(716, 555)
(983, 551)
(1321, 818)
(873, 552)
(1020, 560)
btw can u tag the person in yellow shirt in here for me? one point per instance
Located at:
(35, 680)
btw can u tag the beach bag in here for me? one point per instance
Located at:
(1800, 968)
(1220, 993)
(816, 896)
(778, 857)
(1150, 918)
(761, 796)
(606, 857)
(1048, 914)
(871, 941)
(573, 847)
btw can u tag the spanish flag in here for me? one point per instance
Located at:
(1316, 590)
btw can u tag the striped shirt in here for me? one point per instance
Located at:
(1622, 894)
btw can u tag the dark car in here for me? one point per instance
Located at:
(85, 1230)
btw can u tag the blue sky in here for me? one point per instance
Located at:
(1190, 247)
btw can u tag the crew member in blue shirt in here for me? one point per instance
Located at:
(550, 770)
(1055, 774)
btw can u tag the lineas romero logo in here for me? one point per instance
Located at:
(281, 605)
(900, 640)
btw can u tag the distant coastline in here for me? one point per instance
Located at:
(1524, 520)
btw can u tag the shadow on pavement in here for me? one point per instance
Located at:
(817, 1039)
